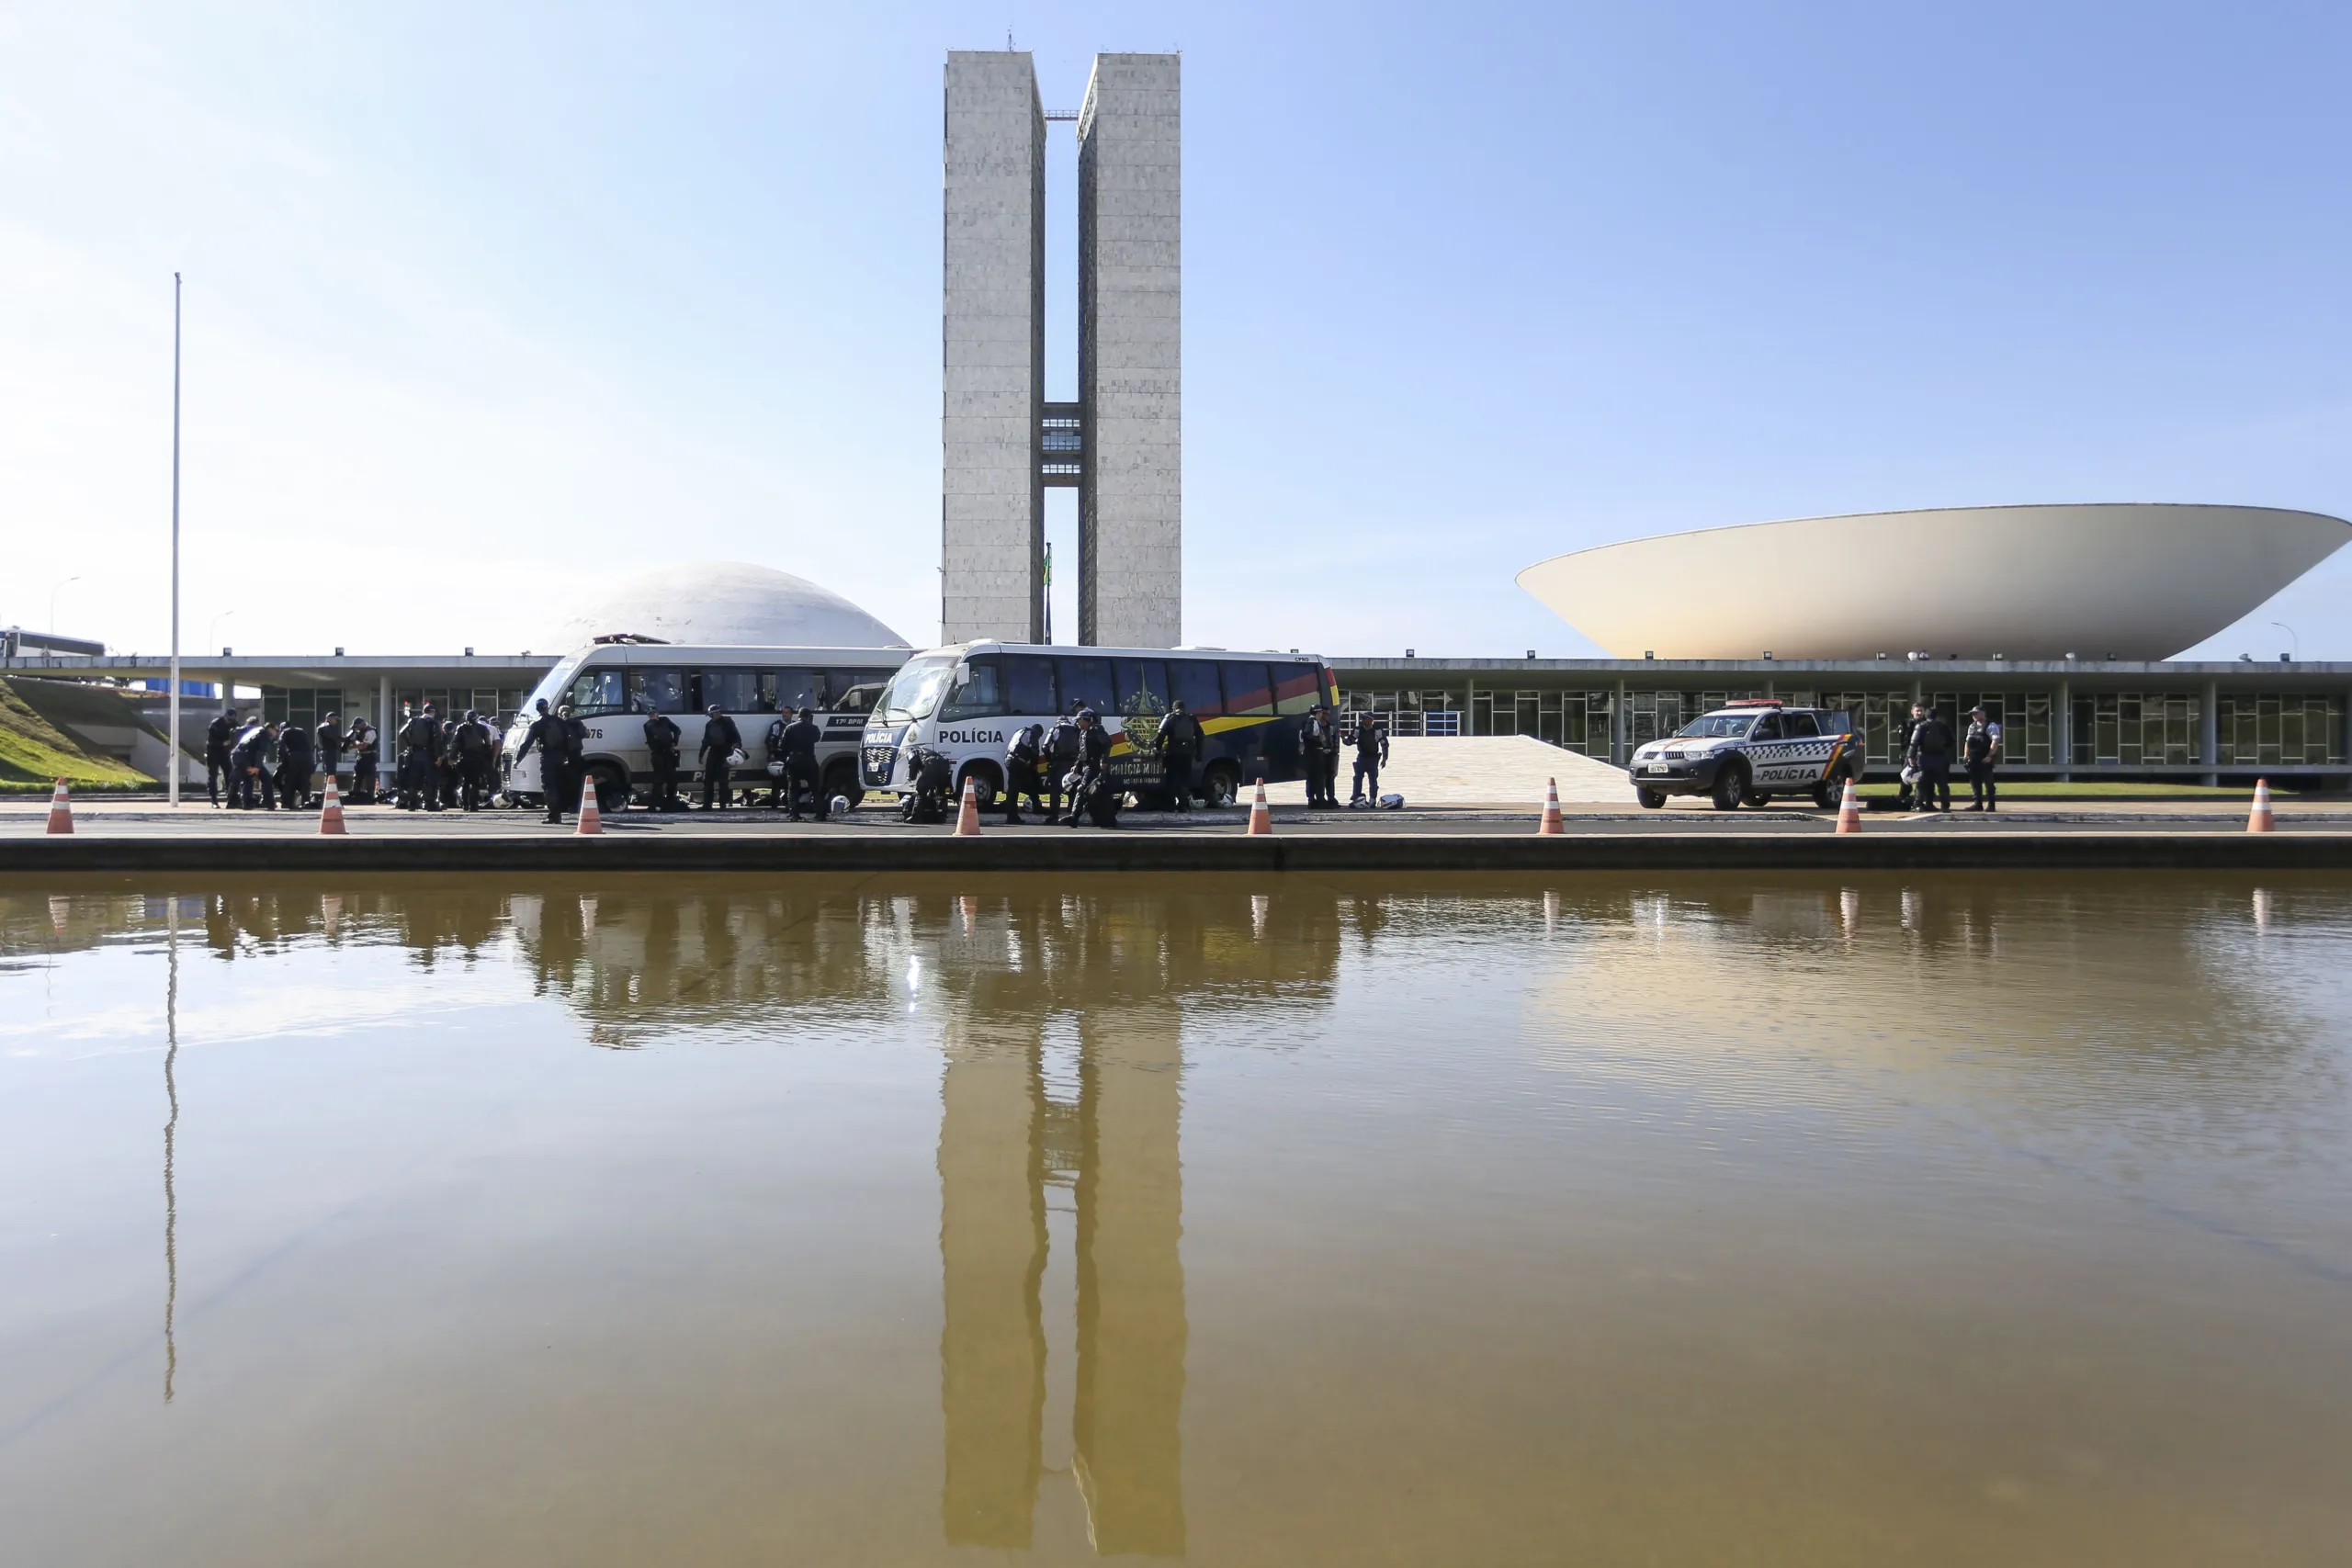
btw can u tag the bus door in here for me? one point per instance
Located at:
(1249, 697)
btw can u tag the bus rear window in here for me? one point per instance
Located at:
(1296, 688)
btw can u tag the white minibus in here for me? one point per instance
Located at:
(614, 686)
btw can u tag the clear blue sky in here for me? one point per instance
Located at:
(485, 302)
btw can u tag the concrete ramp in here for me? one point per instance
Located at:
(1481, 770)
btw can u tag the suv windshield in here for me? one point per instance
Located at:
(1721, 727)
(914, 691)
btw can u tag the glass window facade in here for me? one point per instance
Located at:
(2259, 730)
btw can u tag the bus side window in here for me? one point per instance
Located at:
(797, 688)
(1087, 681)
(1248, 690)
(735, 691)
(664, 691)
(979, 694)
(1294, 688)
(1129, 676)
(1194, 681)
(1029, 683)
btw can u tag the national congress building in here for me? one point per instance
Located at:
(1120, 445)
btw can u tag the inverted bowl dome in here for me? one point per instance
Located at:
(2135, 581)
(724, 604)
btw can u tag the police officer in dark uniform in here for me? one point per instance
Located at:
(1093, 767)
(720, 740)
(661, 738)
(219, 738)
(296, 761)
(1371, 755)
(1931, 755)
(1062, 746)
(420, 744)
(1316, 742)
(552, 735)
(1332, 757)
(1182, 740)
(800, 738)
(1024, 761)
(474, 746)
(362, 742)
(330, 744)
(249, 761)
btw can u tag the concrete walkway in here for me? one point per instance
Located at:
(1481, 770)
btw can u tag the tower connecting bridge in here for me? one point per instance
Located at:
(1120, 445)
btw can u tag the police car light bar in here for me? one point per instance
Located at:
(1754, 702)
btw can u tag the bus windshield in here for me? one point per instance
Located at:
(557, 682)
(914, 691)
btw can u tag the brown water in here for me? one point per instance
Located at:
(1663, 1220)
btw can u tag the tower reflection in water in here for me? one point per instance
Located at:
(1001, 1140)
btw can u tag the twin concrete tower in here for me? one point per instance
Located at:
(1120, 445)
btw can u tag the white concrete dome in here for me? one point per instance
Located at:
(2138, 581)
(724, 604)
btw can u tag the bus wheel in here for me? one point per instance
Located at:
(841, 779)
(986, 779)
(1221, 784)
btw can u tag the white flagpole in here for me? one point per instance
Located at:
(172, 761)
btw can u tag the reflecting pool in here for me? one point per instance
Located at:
(874, 1220)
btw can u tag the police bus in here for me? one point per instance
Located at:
(967, 702)
(612, 686)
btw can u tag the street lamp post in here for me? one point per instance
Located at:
(172, 760)
(2296, 640)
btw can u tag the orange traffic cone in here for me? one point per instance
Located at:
(1849, 810)
(1260, 819)
(1551, 822)
(2258, 820)
(331, 810)
(61, 810)
(591, 820)
(967, 815)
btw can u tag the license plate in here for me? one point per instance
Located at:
(1656, 768)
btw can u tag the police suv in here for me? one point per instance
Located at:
(1745, 753)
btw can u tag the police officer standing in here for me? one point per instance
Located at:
(720, 740)
(218, 737)
(1023, 756)
(1931, 756)
(799, 746)
(420, 744)
(552, 735)
(1316, 743)
(1371, 755)
(661, 738)
(1981, 747)
(1181, 740)
(474, 743)
(330, 746)
(362, 741)
(296, 761)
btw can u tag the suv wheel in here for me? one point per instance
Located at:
(1651, 799)
(1731, 786)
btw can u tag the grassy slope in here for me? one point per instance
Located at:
(35, 753)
